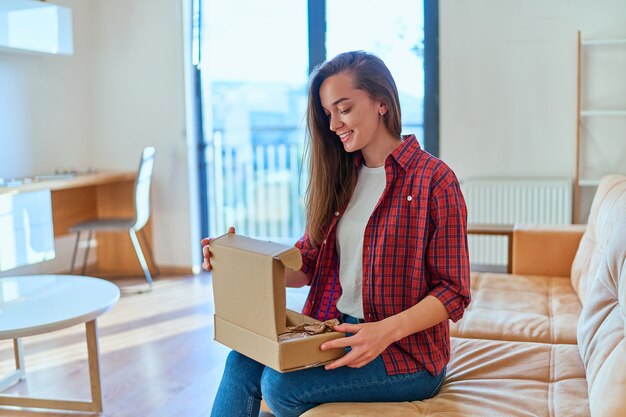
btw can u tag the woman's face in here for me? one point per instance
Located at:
(352, 114)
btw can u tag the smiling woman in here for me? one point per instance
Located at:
(391, 267)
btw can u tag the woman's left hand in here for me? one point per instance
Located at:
(367, 342)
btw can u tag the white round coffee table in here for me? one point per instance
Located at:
(36, 304)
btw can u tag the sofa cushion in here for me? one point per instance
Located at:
(605, 210)
(520, 308)
(493, 378)
(602, 322)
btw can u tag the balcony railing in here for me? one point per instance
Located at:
(256, 187)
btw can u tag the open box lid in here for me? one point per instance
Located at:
(249, 282)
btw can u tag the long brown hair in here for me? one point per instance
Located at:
(332, 173)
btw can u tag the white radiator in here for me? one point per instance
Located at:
(512, 201)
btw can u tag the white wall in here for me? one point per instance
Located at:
(123, 89)
(45, 112)
(508, 83)
(139, 100)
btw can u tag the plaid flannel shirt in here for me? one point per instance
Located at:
(415, 245)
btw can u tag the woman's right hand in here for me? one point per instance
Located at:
(206, 265)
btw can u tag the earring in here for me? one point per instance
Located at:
(382, 113)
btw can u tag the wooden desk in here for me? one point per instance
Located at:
(91, 196)
(496, 230)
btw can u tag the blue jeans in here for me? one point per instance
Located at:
(245, 381)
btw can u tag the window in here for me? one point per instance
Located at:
(252, 82)
(254, 99)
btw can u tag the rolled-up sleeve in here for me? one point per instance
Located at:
(447, 254)
(309, 254)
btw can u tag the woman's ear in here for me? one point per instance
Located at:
(382, 108)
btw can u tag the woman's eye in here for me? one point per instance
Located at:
(344, 111)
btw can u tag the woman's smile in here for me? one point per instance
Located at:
(345, 136)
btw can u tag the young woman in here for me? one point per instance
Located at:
(385, 251)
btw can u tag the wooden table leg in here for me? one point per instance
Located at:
(509, 250)
(94, 364)
(16, 375)
(95, 405)
(18, 350)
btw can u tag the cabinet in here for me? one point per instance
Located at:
(25, 228)
(35, 27)
(601, 116)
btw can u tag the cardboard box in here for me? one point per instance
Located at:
(250, 304)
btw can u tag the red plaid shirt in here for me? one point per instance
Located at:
(415, 245)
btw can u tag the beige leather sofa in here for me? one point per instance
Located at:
(546, 340)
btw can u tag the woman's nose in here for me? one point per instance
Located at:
(335, 123)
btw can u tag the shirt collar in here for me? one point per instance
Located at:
(403, 154)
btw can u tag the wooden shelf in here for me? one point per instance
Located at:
(490, 229)
(598, 42)
(579, 181)
(588, 113)
(588, 183)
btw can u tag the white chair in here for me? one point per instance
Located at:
(133, 225)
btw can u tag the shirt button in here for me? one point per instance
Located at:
(409, 198)
(336, 213)
(324, 242)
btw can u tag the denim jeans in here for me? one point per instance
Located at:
(289, 394)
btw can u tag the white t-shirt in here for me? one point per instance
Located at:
(350, 232)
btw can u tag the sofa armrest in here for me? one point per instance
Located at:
(545, 249)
